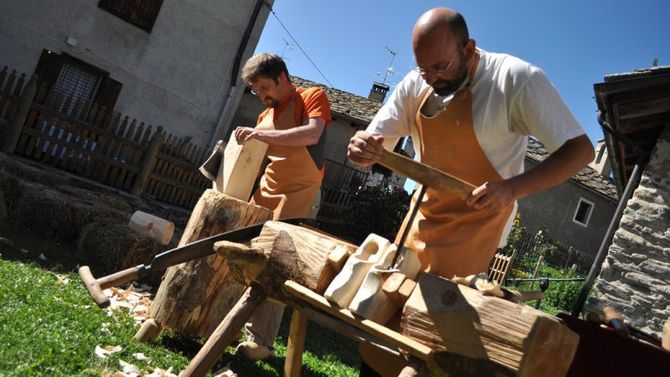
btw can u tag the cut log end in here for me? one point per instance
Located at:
(245, 263)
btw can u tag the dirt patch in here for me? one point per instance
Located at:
(108, 245)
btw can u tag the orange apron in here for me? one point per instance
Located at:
(450, 237)
(291, 179)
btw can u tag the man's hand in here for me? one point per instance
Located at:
(365, 149)
(492, 195)
(245, 133)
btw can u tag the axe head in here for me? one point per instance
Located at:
(210, 168)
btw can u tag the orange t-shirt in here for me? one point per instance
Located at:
(310, 103)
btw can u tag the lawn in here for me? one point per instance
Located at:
(50, 327)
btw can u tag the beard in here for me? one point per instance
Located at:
(445, 87)
(270, 102)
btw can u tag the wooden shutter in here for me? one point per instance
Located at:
(108, 92)
(48, 67)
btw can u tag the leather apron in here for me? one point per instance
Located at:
(291, 179)
(450, 237)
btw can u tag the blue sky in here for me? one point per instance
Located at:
(575, 42)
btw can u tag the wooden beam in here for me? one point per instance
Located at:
(303, 295)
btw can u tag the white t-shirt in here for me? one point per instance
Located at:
(512, 99)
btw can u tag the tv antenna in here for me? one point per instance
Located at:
(389, 69)
(287, 46)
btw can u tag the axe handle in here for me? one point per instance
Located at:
(425, 174)
(95, 286)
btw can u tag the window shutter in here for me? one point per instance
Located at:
(48, 67)
(108, 93)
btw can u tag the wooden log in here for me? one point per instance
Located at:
(225, 333)
(298, 254)
(194, 297)
(152, 226)
(460, 320)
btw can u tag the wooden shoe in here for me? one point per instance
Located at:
(370, 301)
(345, 285)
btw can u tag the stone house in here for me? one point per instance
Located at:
(168, 63)
(635, 275)
(575, 213)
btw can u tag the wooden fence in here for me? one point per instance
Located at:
(559, 255)
(99, 144)
(339, 186)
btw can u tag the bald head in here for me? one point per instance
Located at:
(439, 26)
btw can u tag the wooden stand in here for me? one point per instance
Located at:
(281, 252)
(195, 296)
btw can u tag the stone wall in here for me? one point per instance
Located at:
(635, 277)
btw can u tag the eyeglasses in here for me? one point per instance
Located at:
(436, 69)
(262, 89)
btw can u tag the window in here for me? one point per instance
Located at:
(141, 13)
(78, 81)
(583, 212)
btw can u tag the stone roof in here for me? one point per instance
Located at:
(587, 177)
(363, 110)
(637, 73)
(345, 103)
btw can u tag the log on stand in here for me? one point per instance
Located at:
(458, 321)
(281, 252)
(195, 296)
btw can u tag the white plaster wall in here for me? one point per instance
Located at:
(177, 76)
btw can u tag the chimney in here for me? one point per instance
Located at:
(601, 164)
(378, 92)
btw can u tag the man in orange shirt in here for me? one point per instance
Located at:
(293, 125)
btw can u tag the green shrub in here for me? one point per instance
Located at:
(378, 210)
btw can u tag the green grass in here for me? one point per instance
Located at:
(50, 327)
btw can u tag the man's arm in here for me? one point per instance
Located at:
(559, 166)
(307, 134)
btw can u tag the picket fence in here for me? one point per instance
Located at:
(93, 142)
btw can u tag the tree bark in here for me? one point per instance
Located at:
(195, 296)
(299, 254)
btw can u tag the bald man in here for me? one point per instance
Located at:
(469, 113)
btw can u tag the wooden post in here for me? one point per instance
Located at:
(296, 343)
(225, 333)
(14, 132)
(148, 162)
(535, 271)
(195, 296)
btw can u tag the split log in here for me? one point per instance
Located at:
(460, 320)
(195, 296)
(239, 167)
